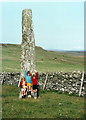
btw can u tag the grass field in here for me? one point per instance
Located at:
(46, 61)
(49, 105)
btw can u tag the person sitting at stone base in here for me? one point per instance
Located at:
(23, 87)
(35, 84)
(29, 82)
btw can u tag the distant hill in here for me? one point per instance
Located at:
(46, 61)
(72, 52)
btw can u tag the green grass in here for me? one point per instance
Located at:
(46, 61)
(49, 105)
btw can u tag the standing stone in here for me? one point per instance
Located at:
(28, 43)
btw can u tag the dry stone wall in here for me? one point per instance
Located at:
(9, 78)
(69, 82)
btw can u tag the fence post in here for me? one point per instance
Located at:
(45, 81)
(82, 79)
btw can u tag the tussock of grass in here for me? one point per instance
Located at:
(48, 105)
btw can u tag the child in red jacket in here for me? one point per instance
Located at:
(35, 84)
(23, 86)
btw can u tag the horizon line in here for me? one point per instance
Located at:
(45, 48)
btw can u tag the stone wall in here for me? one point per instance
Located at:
(69, 82)
(9, 78)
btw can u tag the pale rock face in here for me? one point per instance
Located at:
(28, 43)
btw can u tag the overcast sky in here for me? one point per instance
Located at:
(57, 25)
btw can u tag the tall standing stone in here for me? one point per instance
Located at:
(28, 43)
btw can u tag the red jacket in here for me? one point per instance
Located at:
(22, 84)
(35, 79)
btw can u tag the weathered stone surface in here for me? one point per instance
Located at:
(28, 43)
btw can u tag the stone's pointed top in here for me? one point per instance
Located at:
(27, 10)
